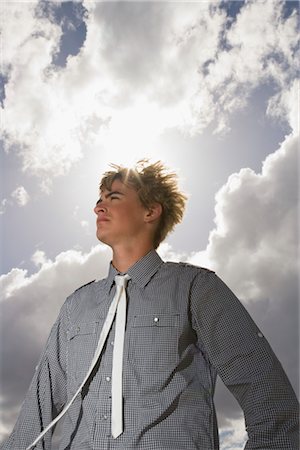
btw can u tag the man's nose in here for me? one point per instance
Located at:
(100, 207)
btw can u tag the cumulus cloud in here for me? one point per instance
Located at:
(256, 221)
(141, 89)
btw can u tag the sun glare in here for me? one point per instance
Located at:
(133, 135)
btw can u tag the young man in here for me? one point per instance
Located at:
(150, 386)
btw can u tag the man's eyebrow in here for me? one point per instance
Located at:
(109, 195)
(113, 193)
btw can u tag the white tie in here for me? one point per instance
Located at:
(117, 400)
(117, 366)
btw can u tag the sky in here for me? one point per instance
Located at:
(211, 88)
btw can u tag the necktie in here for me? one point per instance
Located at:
(117, 367)
(118, 304)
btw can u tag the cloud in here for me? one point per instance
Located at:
(141, 89)
(18, 196)
(253, 213)
(233, 437)
(259, 47)
(21, 196)
(285, 106)
(29, 42)
(39, 258)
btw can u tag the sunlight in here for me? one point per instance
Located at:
(134, 134)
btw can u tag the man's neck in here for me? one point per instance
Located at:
(125, 257)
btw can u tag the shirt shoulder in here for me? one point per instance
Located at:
(194, 267)
(86, 294)
(84, 285)
(83, 302)
(188, 267)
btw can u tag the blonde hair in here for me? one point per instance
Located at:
(154, 183)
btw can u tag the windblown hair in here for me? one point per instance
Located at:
(154, 184)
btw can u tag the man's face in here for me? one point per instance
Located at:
(120, 215)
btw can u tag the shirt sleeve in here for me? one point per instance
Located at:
(247, 365)
(47, 393)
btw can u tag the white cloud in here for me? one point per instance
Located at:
(21, 196)
(39, 258)
(234, 436)
(166, 252)
(285, 106)
(141, 88)
(18, 196)
(261, 47)
(256, 232)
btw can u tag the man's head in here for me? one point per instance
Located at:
(155, 185)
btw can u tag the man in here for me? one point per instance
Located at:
(151, 385)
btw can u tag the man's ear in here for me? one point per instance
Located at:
(153, 213)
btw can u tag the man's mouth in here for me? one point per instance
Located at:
(102, 219)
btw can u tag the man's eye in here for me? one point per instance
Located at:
(114, 197)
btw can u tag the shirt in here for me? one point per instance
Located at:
(184, 326)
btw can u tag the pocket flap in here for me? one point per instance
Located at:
(156, 320)
(82, 328)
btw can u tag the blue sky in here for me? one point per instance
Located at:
(208, 87)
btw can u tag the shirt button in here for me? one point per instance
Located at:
(105, 417)
(260, 335)
(107, 378)
(156, 319)
(77, 329)
(112, 343)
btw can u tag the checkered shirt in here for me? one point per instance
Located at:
(184, 326)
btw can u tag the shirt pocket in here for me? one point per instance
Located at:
(153, 342)
(83, 339)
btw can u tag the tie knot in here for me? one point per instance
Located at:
(122, 280)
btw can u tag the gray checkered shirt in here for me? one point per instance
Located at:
(184, 326)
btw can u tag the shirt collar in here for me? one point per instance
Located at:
(140, 273)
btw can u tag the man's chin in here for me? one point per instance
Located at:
(102, 238)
